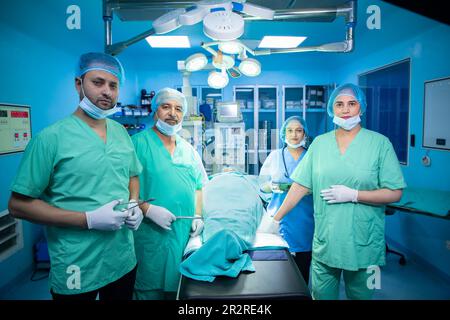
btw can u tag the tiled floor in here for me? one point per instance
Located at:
(410, 282)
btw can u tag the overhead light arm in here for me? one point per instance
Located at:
(299, 14)
(345, 46)
(176, 18)
(117, 48)
(348, 11)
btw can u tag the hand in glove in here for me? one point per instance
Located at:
(269, 225)
(135, 215)
(106, 218)
(161, 216)
(197, 226)
(339, 194)
(266, 187)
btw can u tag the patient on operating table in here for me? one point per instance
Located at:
(232, 211)
(232, 201)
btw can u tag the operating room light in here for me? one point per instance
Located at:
(226, 62)
(218, 80)
(280, 42)
(230, 47)
(250, 67)
(168, 41)
(196, 62)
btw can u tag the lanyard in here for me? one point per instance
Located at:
(286, 173)
(284, 163)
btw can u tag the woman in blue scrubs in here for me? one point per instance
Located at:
(297, 228)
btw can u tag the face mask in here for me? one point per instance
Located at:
(92, 110)
(295, 146)
(347, 124)
(166, 129)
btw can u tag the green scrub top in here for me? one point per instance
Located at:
(172, 181)
(70, 167)
(349, 235)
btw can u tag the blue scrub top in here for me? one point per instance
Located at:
(297, 227)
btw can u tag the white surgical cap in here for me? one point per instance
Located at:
(167, 94)
(100, 61)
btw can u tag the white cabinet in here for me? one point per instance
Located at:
(316, 116)
(310, 103)
(266, 107)
(260, 110)
(293, 102)
(229, 146)
(204, 94)
(192, 132)
(196, 131)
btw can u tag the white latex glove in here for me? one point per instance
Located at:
(197, 226)
(339, 194)
(135, 215)
(161, 216)
(266, 187)
(269, 225)
(106, 218)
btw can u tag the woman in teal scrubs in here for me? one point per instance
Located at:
(297, 228)
(352, 172)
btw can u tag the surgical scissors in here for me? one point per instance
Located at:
(137, 204)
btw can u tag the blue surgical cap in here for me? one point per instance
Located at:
(286, 123)
(347, 89)
(167, 94)
(100, 61)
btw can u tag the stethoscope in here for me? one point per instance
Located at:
(284, 163)
(286, 174)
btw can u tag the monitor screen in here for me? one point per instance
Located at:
(228, 110)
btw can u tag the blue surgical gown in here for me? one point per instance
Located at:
(297, 228)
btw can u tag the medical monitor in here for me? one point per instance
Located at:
(228, 112)
(15, 128)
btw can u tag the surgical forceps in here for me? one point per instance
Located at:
(137, 204)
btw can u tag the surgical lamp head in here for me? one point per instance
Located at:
(218, 80)
(250, 67)
(196, 62)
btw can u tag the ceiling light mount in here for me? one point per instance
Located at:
(223, 25)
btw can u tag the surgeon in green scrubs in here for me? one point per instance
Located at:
(174, 175)
(72, 177)
(352, 173)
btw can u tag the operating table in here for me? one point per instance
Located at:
(276, 276)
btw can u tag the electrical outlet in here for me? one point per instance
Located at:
(448, 244)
